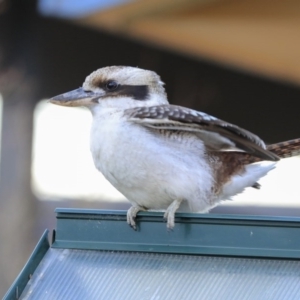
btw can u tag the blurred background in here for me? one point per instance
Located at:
(237, 60)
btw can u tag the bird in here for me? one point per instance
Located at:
(167, 157)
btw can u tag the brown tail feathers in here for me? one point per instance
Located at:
(286, 149)
(282, 149)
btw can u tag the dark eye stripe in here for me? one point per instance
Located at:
(137, 92)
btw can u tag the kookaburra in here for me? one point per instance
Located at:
(167, 157)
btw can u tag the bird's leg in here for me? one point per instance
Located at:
(170, 213)
(131, 215)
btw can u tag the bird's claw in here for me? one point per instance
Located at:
(170, 213)
(131, 215)
(170, 218)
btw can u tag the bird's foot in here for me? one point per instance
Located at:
(170, 213)
(131, 215)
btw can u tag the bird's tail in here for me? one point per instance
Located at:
(282, 150)
(286, 149)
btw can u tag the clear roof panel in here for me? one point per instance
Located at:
(88, 274)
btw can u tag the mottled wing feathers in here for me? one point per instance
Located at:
(216, 134)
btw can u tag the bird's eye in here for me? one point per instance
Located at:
(111, 85)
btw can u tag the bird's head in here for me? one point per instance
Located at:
(117, 87)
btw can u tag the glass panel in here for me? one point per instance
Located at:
(82, 274)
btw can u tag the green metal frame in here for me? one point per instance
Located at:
(204, 234)
(21, 281)
(229, 235)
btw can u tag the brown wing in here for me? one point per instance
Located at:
(216, 134)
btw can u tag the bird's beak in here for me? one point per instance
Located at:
(78, 97)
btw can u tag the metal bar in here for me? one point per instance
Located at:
(251, 236)
(21, 281)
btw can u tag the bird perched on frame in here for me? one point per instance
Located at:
(166, 157)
